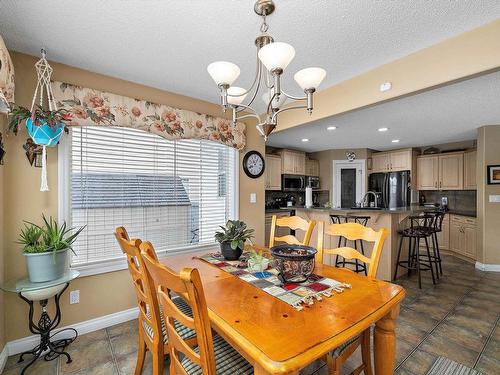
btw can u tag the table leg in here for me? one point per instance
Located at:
(385, 343)
(48, 348)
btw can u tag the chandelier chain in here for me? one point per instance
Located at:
(264, 27)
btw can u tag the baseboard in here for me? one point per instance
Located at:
(4, 354)
(28, 343)
(488, 267)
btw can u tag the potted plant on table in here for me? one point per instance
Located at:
(46, 248)
(257, 262)
(232, 238)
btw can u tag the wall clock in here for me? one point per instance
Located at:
(253, 164)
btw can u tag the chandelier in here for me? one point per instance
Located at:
(272, 59)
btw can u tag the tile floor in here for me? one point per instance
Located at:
(458, 319)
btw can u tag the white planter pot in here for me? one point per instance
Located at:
(258, 267)
(46, 266)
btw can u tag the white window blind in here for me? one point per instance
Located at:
(166, 192)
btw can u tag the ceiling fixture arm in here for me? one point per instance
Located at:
(273, 118)
(293, 97)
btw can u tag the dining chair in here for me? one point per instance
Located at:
(208, 355)
(353, 232)
(293, 223)
(152, 332)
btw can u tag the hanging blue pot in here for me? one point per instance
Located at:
(44, 134)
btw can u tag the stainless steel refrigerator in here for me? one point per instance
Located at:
(393, 188)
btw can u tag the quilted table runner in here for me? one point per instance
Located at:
(294, 294)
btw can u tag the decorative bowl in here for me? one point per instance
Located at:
(295, 263)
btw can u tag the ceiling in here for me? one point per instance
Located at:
(447, 114)
(167, 44)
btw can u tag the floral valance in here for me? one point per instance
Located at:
(6, 78)
(90, 107)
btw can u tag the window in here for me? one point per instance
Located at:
(166, 192)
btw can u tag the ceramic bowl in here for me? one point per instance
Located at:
(295, 263)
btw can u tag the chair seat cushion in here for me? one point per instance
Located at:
(337, 352)
(184, 332)
(227, 361)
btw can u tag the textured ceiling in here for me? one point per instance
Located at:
(447, 114)
(168, 43)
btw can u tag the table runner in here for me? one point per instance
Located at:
(294, 294)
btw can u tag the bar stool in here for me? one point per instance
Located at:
(363, 220)
(421, 227)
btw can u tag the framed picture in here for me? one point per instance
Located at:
(493, 174)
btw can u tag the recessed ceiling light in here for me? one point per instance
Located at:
(383, 129)
(331, 128)
(395, 140)
(305, 140)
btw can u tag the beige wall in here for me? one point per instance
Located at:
(472, 53)
(488, 214)
(106, 293)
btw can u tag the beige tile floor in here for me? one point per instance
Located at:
(458, 319)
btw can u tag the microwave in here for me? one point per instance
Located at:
(292, 182)
(312, 182)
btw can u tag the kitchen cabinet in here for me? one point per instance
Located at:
(441, 172)
(463, 236)
(273, 172)
(428, 173)
(470, 170)
(393, 161)
(444, 236)
(293, 162)
(451, 171)
(312, 167)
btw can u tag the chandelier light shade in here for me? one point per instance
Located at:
(276, 55)
(272, 59)
(310, 78)
(236, 95)
(223, 72)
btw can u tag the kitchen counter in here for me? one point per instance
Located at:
(410, 210)
(278, 210)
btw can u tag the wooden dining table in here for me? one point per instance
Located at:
(278, 339)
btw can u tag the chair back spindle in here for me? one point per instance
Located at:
(294, 223)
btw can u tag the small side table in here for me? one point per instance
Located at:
(31, 292)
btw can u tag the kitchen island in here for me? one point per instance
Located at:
(393, 219)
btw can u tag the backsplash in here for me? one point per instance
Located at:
(461, 200)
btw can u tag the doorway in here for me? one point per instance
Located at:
(349, 182)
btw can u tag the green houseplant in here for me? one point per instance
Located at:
(257, 262)
(232, 238)
(40, 117)
(46, 248)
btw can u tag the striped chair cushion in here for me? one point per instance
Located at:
(184, 332)
(337, 352)
(227, 361)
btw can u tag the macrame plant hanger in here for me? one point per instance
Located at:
(44, 74)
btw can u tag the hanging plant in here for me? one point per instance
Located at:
(45, 126)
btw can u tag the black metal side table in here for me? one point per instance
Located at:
(49, 348)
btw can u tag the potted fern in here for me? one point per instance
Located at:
(46, 248)
(232, 238)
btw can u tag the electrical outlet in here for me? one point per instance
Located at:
(494, 198)
(253, 198)
(74, 297)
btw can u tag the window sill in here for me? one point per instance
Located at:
(114, 265)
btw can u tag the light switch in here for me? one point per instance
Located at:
(494, 198)
(253, 198)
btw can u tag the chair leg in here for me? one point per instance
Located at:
(435, 257)
(430, 260)
(438, 254)
(141, 354)
(158, 362)
(333, 365)
(366, 352)
(417, 254)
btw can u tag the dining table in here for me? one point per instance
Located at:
(276, 338)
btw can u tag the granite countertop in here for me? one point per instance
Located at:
(415, 209)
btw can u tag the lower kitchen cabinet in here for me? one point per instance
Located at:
(463, 236)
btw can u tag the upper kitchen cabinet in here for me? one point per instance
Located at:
(393, 161)
(441, 172)
(293, 162)
(273, 172)
(428, 173)
(470, 170)
(312, 167)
